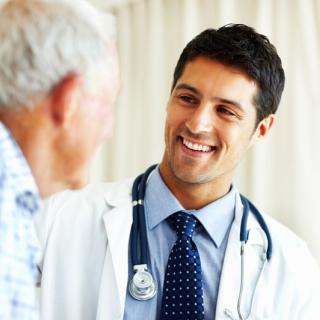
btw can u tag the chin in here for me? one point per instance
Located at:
(78, 180)
(78, 184)
(187, 175)
(191, 178)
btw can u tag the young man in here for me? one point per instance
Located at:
(58, 80)
(226, 90)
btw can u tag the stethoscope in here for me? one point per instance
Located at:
(142, 286)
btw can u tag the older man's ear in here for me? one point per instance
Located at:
(64, 99)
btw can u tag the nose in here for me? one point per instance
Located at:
(201, 120)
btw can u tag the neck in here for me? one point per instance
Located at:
(194, 195)
(29, 133)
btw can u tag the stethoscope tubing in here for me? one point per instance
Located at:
(135, 235)
(139, 225)
(264, 227)
(142, 216)
(249, 207)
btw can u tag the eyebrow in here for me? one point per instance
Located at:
(198, 93)
(234, 103)
(188, 87)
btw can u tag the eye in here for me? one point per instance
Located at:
(226, 111)
(187, 99)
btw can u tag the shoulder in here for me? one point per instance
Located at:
(82, 208)
(293, 269)
(92, 197)
(285, 241)
(293, 258)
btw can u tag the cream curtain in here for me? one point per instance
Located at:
(282, 175)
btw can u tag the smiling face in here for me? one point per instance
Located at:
(210, 124)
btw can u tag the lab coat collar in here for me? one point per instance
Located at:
(118, 193)
(256, 234)
(111, 304)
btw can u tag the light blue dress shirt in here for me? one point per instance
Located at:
(19, 247)
(210, 237)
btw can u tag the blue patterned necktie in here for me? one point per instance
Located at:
(182, 291)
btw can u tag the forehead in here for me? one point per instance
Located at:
(211, 77)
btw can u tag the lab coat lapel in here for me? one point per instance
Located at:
(230, 275)
(231, 271)
(113, 286)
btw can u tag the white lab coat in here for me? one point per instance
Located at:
(85, 236)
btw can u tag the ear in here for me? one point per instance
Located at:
(263, 129)
(64, 99)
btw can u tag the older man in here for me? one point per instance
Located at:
(58, 81)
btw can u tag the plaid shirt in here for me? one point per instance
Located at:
(19, 248)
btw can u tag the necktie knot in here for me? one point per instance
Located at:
(184, 224)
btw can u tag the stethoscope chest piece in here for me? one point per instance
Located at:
(142, 285)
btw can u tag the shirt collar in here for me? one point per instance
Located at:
(216, 217)
(160, 203)
(12, 160)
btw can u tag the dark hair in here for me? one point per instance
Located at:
(240, 46)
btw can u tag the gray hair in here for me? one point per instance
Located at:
(42, 41)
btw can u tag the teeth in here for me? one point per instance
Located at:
(196, 147)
